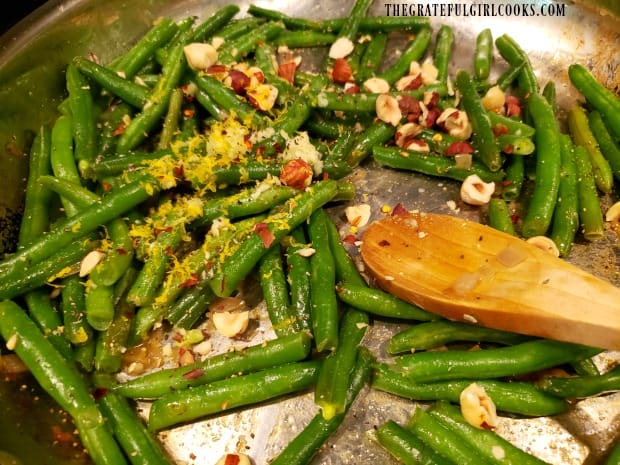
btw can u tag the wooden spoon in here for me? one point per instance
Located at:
(470, 272)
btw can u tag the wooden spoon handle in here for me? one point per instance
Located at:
(470, 272)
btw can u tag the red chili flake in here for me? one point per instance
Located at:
(182, 350)
(158, 231)
(231, 459)
(384, 243)
(120, 129)
(190, 282)
(459, 147)
(121, 251)
(177, 337)
(194, 374)
(189, 113)
(287, 70)
(500, 129)
(265, 234)
(178, 171)
(99, 392)
(506, 183)
(514, 218)
(106, 186)
(399, 210)
(349, 239)
(325, 176)
(60, 435)
(208, 265)
(296, 173)
(169, 251)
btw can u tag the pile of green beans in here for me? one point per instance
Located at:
(161, 191)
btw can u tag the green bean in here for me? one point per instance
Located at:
(307, 443)
(76, 329)
(35, 217)
(83, 117)
(218, 396)
(128, 91)
(110, 121)
(60, 379)
(112, 343)
(413, 52)
(346, 269)
(114, 204)
(61, 156)
(323, 302)
(238, 27)
(289, 22)
(609, 148)
(334, 376)
(500, 216)
(434, 334)
(190, 307)
(566, 214)
(275, 292)
(350, 27)
(214, 23)
(155, 107)
(515, 56)
(548, 161)
(367, 24)
(590, 214)
(585, 367)
(278, 225)
(129, 64)
(581, 386)
(236, 49)
(119, 256)
(443, 51)
(483, 139)
(126, 162)
(515, 145)
(442, 439)
(579, 128)
(48, 319)
(515, 127)
(25, 277)
(378, 302)
(484, 442)
(371, 59)
(301, 39)
(432, 165)
(597, 95)
(139, 445)
(362, 147)
(405, 446)
(226, 98)
(298, 277)
(550, 94)
(513, 181)
(363, 102)
(99, 305)
(505, 80)
(171, 120)
(279, 351)
(483, 54)
(491, 363)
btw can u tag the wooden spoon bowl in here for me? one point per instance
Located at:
(469, 272)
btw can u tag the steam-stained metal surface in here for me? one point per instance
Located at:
(32, 56)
